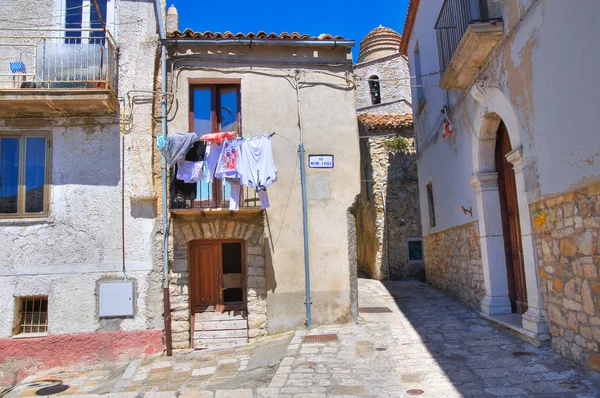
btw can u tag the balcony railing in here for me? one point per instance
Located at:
(212, 197)
(58, 60)
(452, 23)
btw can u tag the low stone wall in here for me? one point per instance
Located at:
(453, 263)
(566, 230)
(248, 228)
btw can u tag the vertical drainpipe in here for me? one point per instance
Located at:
(308, 301)
(163, 119)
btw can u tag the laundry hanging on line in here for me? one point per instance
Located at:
(239, 161)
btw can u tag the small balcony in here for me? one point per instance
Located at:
(203, 198)
(466, 35)
(66, 73)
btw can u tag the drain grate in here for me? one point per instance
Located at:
(313, 338)
(373, 310)
(415, 391)
(521, 353)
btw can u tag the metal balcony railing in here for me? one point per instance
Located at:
(61, 59)
(452, 23)
(212, 196)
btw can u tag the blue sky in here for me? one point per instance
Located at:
(352, 19)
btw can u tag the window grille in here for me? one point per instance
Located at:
(33, 315)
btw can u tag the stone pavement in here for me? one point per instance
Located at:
(429, 344)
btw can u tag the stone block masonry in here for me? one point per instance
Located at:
(384, 239)
(566, 229)
(250, 229)
(453, 263)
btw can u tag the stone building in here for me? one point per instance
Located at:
(387, 213)
(508, 169)
(251, 260)
(78, 279)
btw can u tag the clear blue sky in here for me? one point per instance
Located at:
(352, 19)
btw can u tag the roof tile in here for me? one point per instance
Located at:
(375, 121)
(190, 34)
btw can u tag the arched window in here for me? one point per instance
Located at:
(374, 90)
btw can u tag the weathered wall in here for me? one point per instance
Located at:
(384, 238)
(186, 229)
(395, 91)
(520, 69)
(567, 231)
(66, 254)
(268, 103)
(453, 263)
(518, 85)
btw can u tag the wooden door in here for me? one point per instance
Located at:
(217, 275)
(511, 226)
(203, 264)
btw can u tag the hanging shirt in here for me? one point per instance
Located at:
(218, 137)
(229, 161)
(257, 168)
(177, 146)
(211, 158)
(189, 172)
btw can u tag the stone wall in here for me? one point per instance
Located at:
(392, 72)
(567, 229)
(395, 174)
(250, 229)
(453, 263)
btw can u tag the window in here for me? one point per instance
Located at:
(214, 108)
(23, 175)
(418, 76)
(84, 14)
(32, 315)
(374, 90)
(430, 205)
(415, 250)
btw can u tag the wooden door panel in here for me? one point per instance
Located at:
(202, 276)
(511, 226)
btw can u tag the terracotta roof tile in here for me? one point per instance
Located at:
(391, 121)
(409, 23)
(190, 34)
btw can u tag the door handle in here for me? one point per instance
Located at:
(223, 288)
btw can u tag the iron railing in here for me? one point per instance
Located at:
(452, 23)
(53, 60)
(212, 196)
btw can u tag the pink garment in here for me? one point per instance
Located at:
(218, 137)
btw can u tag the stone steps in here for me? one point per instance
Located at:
(220, 329)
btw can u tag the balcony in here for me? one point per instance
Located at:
(203, 198)
(67, 73)
(466, 35)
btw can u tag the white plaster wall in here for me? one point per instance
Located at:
(65, 254)
(329, 124)
(542, 84)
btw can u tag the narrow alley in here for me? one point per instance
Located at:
(410, 340)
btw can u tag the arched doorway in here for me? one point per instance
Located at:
(511, 227)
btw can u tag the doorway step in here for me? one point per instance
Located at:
(216, 330)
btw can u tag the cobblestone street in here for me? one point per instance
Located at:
(428, 345)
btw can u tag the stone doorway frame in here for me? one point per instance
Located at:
(497, 108)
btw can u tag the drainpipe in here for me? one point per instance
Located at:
(308, 301)
(163, 119)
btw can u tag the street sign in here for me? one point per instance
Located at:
(320, 161)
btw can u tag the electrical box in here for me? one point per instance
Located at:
(115, 299)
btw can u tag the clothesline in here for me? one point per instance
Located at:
(239, 160)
